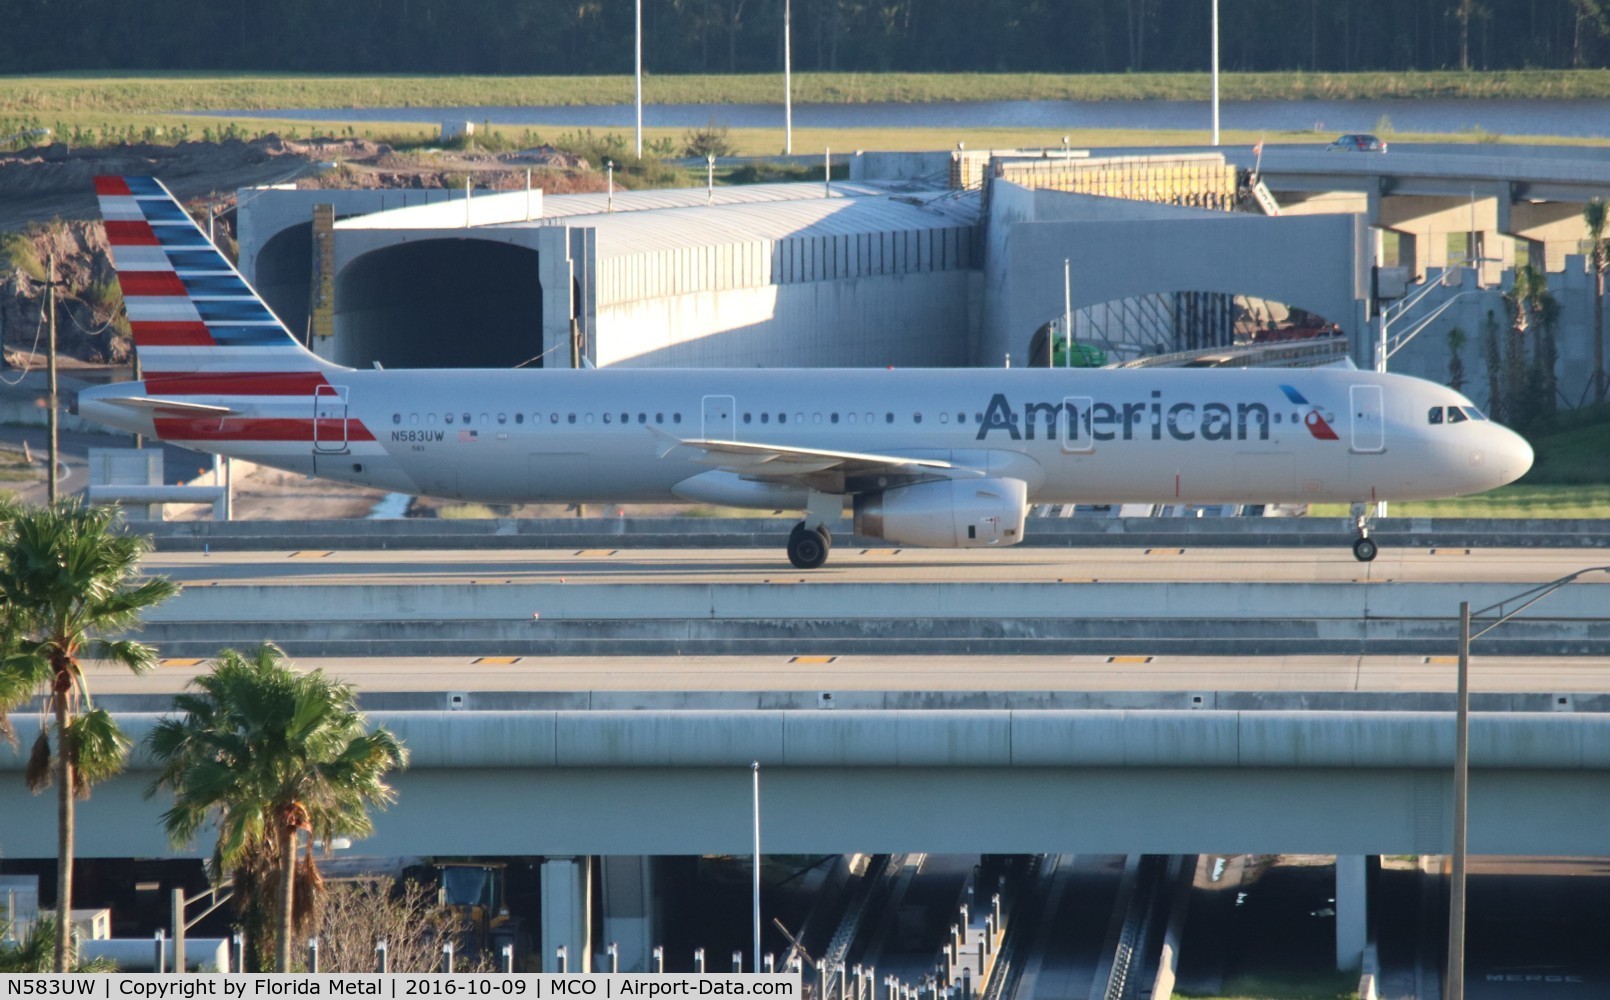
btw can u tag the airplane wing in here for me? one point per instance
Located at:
(817, 467)
(156, 405)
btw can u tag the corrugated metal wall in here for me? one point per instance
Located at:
(658, 274)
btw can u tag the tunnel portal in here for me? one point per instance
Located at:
(439, 303)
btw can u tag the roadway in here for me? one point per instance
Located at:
(890, 675)
(649, 567)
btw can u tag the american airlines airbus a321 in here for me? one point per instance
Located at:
(948, 458)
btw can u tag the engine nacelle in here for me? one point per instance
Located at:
(950, 513)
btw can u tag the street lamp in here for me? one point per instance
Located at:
(755, 769)
(637, 75)
(788, 80)
(1215, 72)
(1501, 612)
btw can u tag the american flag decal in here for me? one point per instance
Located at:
(469, 435)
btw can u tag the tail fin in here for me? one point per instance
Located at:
(189, 308)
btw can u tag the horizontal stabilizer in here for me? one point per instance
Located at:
(155, 405)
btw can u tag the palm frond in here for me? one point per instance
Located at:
(97, 747)
(37, 775)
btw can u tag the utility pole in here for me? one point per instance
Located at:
(788, 83)
(50, 364)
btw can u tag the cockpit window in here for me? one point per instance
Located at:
(1434, 416)
(1474, 413)
(1456, 415)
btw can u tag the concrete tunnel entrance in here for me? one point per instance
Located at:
(439, 303)
(284, 276)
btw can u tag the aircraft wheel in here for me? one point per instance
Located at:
(827, 536)
(1364, 549)
(807, 549)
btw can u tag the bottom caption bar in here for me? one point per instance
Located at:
(401, 986)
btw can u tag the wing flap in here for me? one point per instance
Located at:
(758, 461)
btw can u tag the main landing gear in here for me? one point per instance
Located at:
(810, 541)
(808, 547)
(1364, 547)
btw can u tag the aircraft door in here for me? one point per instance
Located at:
(1368, 417)
(720, 423)
(329, 420)
(1076, 424)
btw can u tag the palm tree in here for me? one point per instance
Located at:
(1593, 213)
(68, 579)
(264, 753)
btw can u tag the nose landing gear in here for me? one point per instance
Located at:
(1364, 547)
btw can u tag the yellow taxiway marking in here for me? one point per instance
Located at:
(812, 659)
(1450, 552)
(309, 554)
(1165, 552)
(180, 661)
(497, 660)
(596, 552)
(1442, 659)
(1129, 659)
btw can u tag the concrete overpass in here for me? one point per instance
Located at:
(678, 782)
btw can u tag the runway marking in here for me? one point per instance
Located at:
(1165, 552)
(1450, 552)
(1442, 659)
(1129, 659)
(596, 552)
(180, 661)
(812, 659)
(308, 554)
(498, 660)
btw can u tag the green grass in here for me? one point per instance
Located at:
(1515, 500)
(1285, 986)
(48, 94)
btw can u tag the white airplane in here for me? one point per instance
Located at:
(948, 458)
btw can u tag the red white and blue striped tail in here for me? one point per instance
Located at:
(190, 310)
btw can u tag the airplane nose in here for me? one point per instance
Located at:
(1509, 455)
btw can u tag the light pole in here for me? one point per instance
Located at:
(755, 770)
(1215, 72)
(637, 75)
(1502, 612)
(788, 79)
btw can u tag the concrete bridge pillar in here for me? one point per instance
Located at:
(1352, 911)
(628, 884)
(567, 913)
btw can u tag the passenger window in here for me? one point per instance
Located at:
(519, 418)
(1456, 415)
(1434, 415)
(606, 418)
(869, 418)
(396, 418)
(626, 418)
(587, 418)
(448, 417)
(642, 418)
(676, 418)
(503, 418)
(851, 416)
(572, 418)
(553, 418)
(659, 418)
(834, 418)
(430, 418)
(1277, 417)
(413, 419)
(765, 418)
(799, 418)
(746, 418)
(782, 418)
(888, 418)
(944, 416)
(816, 418)
(916, 418)
(467, 419)
(961, 418)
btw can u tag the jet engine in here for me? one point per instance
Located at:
(950, 513)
